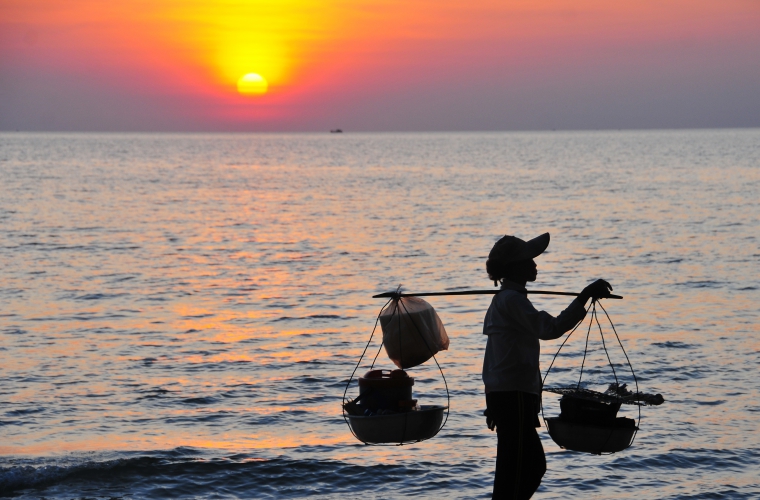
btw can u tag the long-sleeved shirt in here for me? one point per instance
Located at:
(514, 328)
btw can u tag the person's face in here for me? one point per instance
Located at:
(522, 271)
(531, 270)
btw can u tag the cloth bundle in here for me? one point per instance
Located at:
(412, 331)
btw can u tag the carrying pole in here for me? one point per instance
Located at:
(476, 292)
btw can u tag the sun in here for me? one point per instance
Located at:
(252, 84)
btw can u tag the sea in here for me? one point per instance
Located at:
(180, 314)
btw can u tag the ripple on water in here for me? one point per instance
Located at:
(210, 296)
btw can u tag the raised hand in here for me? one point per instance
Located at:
(599, 289)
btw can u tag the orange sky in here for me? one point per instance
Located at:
(378, 65)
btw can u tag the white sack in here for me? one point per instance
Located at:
(412, 331)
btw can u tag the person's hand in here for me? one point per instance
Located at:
(599, 289)
(490, 422)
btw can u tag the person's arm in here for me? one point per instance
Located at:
(543, 325)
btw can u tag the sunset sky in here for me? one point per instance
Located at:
(378, 65)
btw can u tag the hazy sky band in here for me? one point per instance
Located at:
(378, 65)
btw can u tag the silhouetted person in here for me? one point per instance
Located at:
(510, 369)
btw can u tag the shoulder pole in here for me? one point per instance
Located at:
(476, 292)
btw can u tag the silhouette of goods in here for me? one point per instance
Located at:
(588, 420)
(412, 332)
(385, 411)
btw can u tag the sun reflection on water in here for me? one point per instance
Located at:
(223, 298)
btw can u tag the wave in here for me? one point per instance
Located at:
(187, 473)
(181, 473)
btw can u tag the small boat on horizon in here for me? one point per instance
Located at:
(336, 131)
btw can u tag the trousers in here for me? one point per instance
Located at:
(520, 459)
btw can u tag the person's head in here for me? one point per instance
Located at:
(511, 259)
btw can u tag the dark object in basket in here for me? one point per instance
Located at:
(615, 393)
(586, 411)
(386, 390)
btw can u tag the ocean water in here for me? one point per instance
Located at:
(180, 313)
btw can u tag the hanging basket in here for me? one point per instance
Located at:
(592, 438)
(398, 428)
(588, 421)
(384, 412)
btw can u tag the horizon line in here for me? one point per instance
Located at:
(356, 132)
